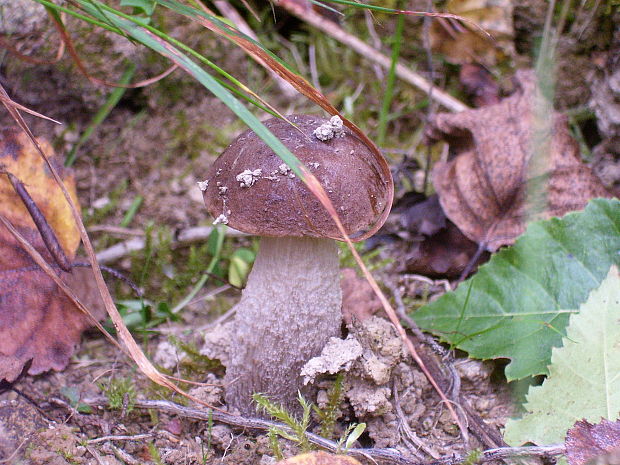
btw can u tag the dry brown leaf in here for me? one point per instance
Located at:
(37, 321)
(319, 458)
(586, 442)
(478, 82)
(445, 254)
(19, 157)
(359, 301)
(484, 188)
(433, 245)
(462, 43)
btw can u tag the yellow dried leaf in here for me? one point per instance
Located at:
(319, 458)
(19, 157)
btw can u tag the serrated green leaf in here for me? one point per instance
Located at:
(584, 375)
(517, 306)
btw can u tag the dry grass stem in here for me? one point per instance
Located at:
(403, 72)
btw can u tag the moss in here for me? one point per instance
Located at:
(121, 393)
(195, 364)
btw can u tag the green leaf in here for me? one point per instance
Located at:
(517, 306)
(584, 375)
(240, 263)
(354, 436)
(73, 396)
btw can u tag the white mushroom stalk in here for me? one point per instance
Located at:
(289, 309)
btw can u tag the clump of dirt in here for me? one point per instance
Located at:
(19, 423)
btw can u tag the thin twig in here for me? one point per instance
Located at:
(95, 454)
(183, 237)
(229, 12)
(116, 230)
(402, 314)
(135, 437)
(10, 458)
(404, 426)
(402, 71)
(123, 456)
(502, 453)
(385, 455)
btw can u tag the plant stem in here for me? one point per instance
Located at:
(389, 88)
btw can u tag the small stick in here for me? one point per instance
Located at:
(47, 233)
(135, 437)
(229, 12)
(385, 455)
(334, 30)
(404, 426)
(118, 230)
(183, 237)
(123, 456)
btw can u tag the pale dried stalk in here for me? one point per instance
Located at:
(392, 456)
(229, 12)
(183, 237)
(403, 72)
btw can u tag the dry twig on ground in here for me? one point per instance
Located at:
(391, 456)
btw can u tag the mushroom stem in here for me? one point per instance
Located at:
(289, 309)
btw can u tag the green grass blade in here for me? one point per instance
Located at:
(131, 211)
(144, 36)
(106, 25)
(389, 87)
(221, 234)
(103, 113)
(222, 25)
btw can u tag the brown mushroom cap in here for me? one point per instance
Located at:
(274, 202)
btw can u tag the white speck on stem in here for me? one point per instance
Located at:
(247, 178)
(329, 130)
(202, 185)
(222, 189)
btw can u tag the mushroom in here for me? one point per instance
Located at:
(291, 305)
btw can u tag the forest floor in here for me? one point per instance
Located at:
(136, 178)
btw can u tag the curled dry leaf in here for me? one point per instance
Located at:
(586, 442)
(484, 188)
(437, 248)
(319, 458)
(37, 321)
(479, 84)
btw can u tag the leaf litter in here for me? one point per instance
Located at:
(484, 188)
(38, 322)
(224, 440)
(587, 443)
